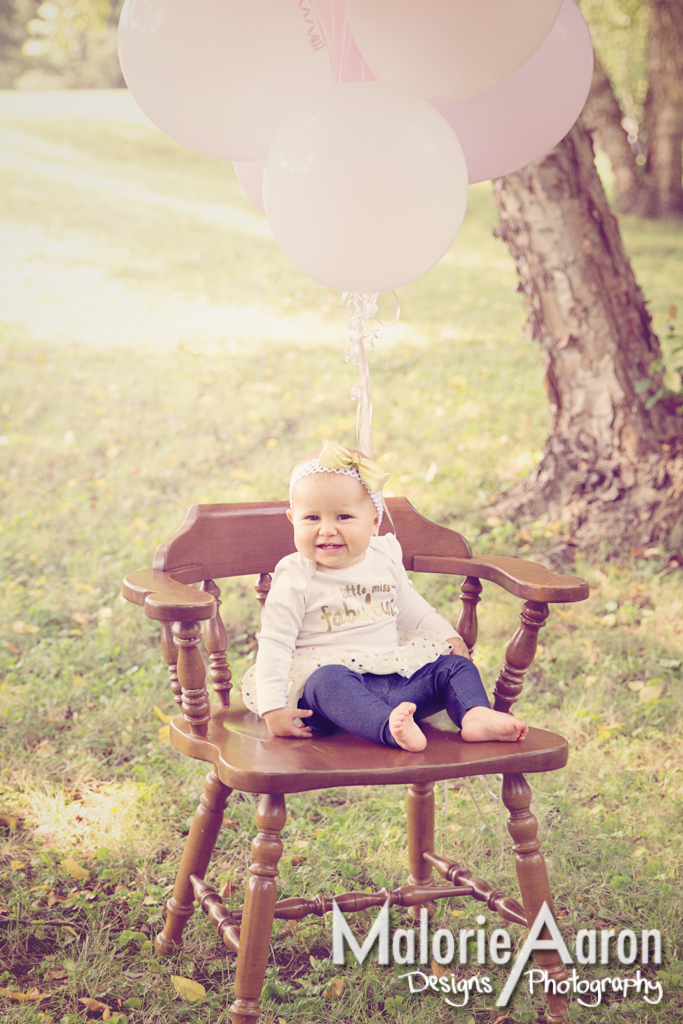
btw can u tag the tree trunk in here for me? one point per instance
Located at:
(603, 116)
(663, 115)
(612, 471)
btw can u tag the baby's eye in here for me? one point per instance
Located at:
(344, 515)
(312, 518)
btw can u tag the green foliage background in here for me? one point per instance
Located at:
(157, 349)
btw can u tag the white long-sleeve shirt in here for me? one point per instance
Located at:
(317, 615)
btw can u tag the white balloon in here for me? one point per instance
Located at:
(221, 76)
(366, 190)
(449, 49)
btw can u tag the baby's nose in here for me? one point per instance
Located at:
(328, 528)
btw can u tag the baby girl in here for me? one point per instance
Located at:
(329, 652)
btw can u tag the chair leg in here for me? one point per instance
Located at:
(533, 879)
(420, 837)
(206, 825)
(259, 908)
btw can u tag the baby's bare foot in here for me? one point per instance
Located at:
(405, 729)
(486, 724)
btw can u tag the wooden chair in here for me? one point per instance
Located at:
(218, 541)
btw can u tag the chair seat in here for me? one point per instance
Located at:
(247, 758)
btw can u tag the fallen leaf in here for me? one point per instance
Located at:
(35, 888)
(640, 852)
(438, 970)
(12, 648)
(74, 869)
(590, 681)
(294, 861)
(24, 627)
(80, 618)
(608, 620)
(45, 749)
(78, 681)
(56, 973)
(636, 685)
(9, 820)
(53, 897)
(95, 1006)
(165, 734)
(17, 865)
(32, 996)
(652, 691)
(187, 989)
(334, 988)
(162, 716)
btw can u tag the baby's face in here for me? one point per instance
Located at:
(333, 518)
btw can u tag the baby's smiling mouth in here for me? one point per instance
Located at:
(329, 547)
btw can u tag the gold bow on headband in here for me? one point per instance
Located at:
(335, 456)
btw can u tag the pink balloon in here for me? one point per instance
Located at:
(249, 173)
(524, 116)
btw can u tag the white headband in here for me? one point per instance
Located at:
(313, 466)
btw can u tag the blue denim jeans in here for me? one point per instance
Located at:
(361, 703)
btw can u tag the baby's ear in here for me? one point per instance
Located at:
(289, 515)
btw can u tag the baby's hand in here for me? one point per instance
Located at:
(282, 722)
(458, 646)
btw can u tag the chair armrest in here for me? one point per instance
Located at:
(528, 580)
(165, 599)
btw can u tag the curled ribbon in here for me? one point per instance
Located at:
(364, 308)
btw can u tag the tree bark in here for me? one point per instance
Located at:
(612, 471)
(603, 116)
(663, 114)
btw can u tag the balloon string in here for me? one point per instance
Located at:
(364, 308)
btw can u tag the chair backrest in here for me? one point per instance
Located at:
(217, 541)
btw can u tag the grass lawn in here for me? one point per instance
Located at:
(157, 349)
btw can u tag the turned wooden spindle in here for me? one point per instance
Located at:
(199, 846)
(192, 676)
(420, 807)
(295, 908)
(216, 643)
(262, 587)
(259, 906)
(211, 904)
(519, 655)
(495, 899)
(533, 879)
(170, 655)
(468, 626)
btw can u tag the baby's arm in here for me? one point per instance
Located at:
(414, 612)
(282, 617)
